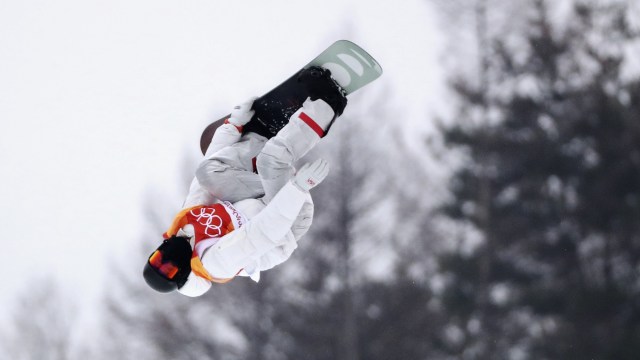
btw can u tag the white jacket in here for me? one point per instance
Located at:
(264, 242)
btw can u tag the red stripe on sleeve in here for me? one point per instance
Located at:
(226, 121)
(312, 124)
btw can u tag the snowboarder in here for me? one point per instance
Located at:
(212, 240)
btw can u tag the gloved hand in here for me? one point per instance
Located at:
(311, 174)
(242, 113)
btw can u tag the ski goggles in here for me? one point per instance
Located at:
(167, 269)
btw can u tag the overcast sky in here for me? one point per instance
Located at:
(101, 100)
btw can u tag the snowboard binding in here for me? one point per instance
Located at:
(320, 85)
(355, 67)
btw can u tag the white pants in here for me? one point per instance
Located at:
(228, 173)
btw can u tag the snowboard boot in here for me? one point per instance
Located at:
(320, 85)
(305, 129)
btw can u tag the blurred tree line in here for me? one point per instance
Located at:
(533, 253)
(552, 185)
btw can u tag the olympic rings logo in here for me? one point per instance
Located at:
(212, 223)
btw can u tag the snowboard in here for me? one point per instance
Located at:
(351, 67)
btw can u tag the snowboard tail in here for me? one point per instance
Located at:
(351, 67)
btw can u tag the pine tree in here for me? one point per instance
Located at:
(552, 188)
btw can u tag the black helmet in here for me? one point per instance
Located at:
(168, 267)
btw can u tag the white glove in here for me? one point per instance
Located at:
(242, 113)
(311, 174)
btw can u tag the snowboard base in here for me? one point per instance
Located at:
(351, 67)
